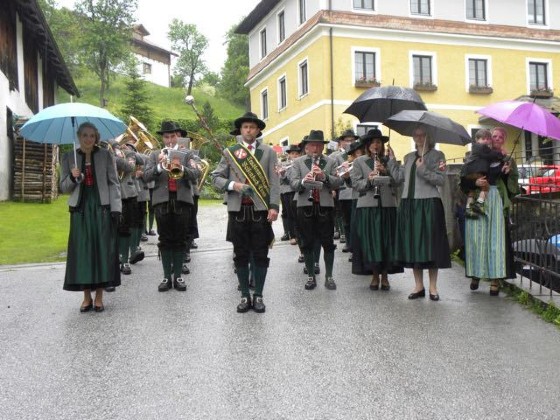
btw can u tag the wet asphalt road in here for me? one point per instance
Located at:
(345, 354)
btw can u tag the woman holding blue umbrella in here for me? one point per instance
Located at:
(90, 177)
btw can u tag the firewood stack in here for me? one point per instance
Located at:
(35, 174)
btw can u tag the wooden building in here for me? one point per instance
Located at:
(154, 61)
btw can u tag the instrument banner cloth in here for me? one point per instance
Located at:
(252, 170)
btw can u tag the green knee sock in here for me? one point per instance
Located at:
(329, 262)
(124, 245)
(166, 261)
(309, 262)
(259, 274)
(178, 257)
(316, 251)
(243, 278)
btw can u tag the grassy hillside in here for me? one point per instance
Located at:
(166, 103)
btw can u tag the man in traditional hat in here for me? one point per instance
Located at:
(345, 193)
(173, 172)
(287, 193)
(247, 174)
(314, 178)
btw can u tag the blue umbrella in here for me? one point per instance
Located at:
(58, 124)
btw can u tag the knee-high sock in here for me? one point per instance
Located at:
(178, 257)
(166, 262)
(260, 276)
(124, 245)
(309, 263)
(316, 251)
(243, 278)
(329, 262)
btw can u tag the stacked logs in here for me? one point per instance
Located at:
(35, 174)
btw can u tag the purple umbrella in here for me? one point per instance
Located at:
(524, 115)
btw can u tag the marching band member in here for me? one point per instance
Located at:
(136, 253)
(314, 178)
(287, 193)
(173, 171)
(376, 211)
(95, 206)
(247, 174)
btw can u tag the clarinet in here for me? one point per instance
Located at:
(316, 161)
(376, 192)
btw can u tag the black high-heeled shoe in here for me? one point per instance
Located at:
(86, 308)
(416, 295)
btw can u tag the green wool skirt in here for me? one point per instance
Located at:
(375, 228)
(421, 235)
(92, 257)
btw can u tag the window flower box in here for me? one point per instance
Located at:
(480, 90)
(542, 93)
(369, 83)
(425, 87)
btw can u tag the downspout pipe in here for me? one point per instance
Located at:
(331, 57)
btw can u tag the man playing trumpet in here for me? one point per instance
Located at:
(173, 172)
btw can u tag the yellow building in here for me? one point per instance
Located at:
(309, 59)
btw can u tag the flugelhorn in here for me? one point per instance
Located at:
(344, 168)
(172, 163)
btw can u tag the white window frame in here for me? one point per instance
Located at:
(488, 59)
(376, 51)
(364, 10)
(415, 15)
(470, 19)
(302, 94)
(280, 107)
(549, 72)
(433, 55)
(263, 105)
(278, 32)
(263, 30)
(301, 4)
(546, 15)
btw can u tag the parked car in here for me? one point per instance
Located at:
(546, 180)
(536, 254)
(526, 172)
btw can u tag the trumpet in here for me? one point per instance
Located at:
(343, 169)
(172, 163)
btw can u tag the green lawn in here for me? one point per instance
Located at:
(35, 233)
(166, 103)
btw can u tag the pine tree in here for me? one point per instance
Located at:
(136, 98)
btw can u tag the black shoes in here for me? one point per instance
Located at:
(194, 245)
(187, 258)
(434, 297)
(346, 248)
(342, 239)
(494, 289)
(179, 284)
(125, 269)
(336, 235)
(185, 269)
(416, 295)
(86, 308)
(301, 259)
(244, 305)
(110, 289)
(311, 283)
(143, 238)
(330, 284)
(164, 286)
(258, 304)
(285, 237)
(385, 287)
(99, 308)
(152, 232)
(474, 283)
(136, 257)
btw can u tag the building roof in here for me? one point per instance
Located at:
(34, 21)
(257, 14)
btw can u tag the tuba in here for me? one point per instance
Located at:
(138, 135)
(195, 144)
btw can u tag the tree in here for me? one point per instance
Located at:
(236, 69)
(190, 44)
(107, 31)
(136, 98)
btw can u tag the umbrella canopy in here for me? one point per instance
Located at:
(379, 103)
(58, 124)
(524, 115)
(438, 127)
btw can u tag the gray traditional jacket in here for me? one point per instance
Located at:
(302, 166)
(428, 176)
(160, 193)
(106, 178)
(223, 175)
(365, 188)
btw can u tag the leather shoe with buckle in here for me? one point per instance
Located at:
(416, 295)
(330, 284)
(244, 305)
(258, 304)
(164, 286)
(125, 268)
(311, 283)
(180, 284)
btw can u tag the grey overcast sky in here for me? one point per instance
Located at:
(212, 18)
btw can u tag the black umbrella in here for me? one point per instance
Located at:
(438, 127)
(379, 103)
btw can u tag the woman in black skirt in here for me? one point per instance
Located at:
(90, 177)
(421, 237)
(376, 211)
